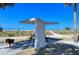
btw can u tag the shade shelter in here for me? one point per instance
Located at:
(39, 30)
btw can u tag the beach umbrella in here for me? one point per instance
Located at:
(75, 29)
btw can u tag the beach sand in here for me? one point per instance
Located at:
(29, 50)
(18, 38)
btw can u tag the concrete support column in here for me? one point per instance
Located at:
(40, 34)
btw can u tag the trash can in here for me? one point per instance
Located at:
(9, 41)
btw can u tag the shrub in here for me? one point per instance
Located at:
(1, 29)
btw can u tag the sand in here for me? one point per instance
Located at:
(30, 50)
(18, 38)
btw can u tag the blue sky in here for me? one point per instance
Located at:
(53, 12)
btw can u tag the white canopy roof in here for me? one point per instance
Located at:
(32, 21)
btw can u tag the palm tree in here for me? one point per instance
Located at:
(75, 29)
(4, 5)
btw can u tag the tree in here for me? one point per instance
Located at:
(5, 5)
(75, 29)
(1, 29)
(67, 28)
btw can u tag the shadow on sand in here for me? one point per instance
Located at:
(30, 43)
(58, 49)
(50, 48)
(23, 44)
